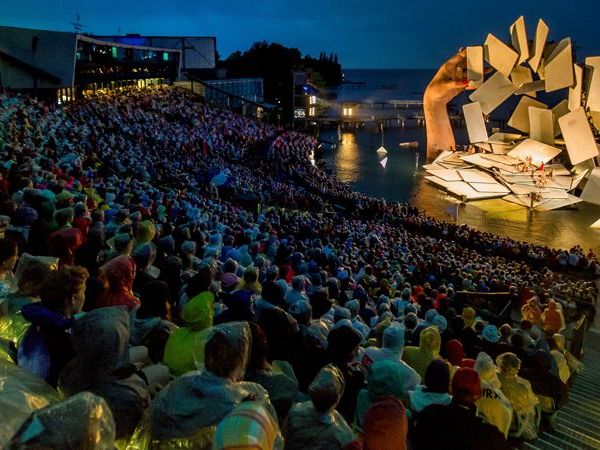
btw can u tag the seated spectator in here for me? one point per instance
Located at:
(385, 427)
(277, 377)
(186, 412)
(456, 355)
(435, 389)
(182, 344)
(46, 347)
(553, 320)
(248, 426)
(456, 425)
(101, 365)
(549, 389)
(12, 324)
(384, 379)
(316, 424)
(118, 275)
(493, 406)
(393, 345)
(429, 349)
(522, 398)
(343, 345)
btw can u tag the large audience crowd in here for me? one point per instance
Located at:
(173, 275)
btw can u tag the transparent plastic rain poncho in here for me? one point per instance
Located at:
(20, 394)
(82, 422)
(315, 424)
(12, 324)
(185, 414)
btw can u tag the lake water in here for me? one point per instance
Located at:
(356, 162)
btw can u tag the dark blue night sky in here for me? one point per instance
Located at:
(365, 33)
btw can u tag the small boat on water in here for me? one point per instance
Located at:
(411, 144)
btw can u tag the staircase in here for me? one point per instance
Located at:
(578, 421)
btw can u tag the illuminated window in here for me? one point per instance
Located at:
(165, 56)
(349, 111)
(313, 99)
(345, 112)
(311, 111)
(114, 52)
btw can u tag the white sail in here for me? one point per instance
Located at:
(383, 162)
(382, 150)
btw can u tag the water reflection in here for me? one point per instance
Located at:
(356, 162)
(347, 159)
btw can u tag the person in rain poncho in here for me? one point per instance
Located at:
(435, 390)
(343, 345)
(522, 398)
(549, 389)
(456, 426)
(248, 427)
(82, 422)
(118, 274)
(277, 377)
(553, 320)
(429, 349)
(21, 393)
(315, 424)
(186, 412)
(180, 348)
(384, 379)
(12, 324)
(574, 366)
(531, 311)
(101, 365)
(393, 345)
(385, 427)
(493, 406)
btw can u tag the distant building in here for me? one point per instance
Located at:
(64, 65)
(198, 53)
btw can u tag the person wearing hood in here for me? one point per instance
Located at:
(468, 335)
(456, 426)
(186, 412)
(101, 365)
(46, 346)
(392, 348)
(182, 344)
(240, 307)
(354, 307)
(435, 390)
(420, 357)
(384, 378)
(456, 355)
(557, 346)
(83, 421)
(279, 326)
(493, 406)
(248, 426)
(385, 427)
(316, 424)
(277, 377)
(12, 324)
(143, 256)
(144, 233)
(297, 293)
(531, 311)
(521, 396)
(249, 281)
(343, 346)
(553, 320)
(549, 389)
(430, 315)
(118, 275)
